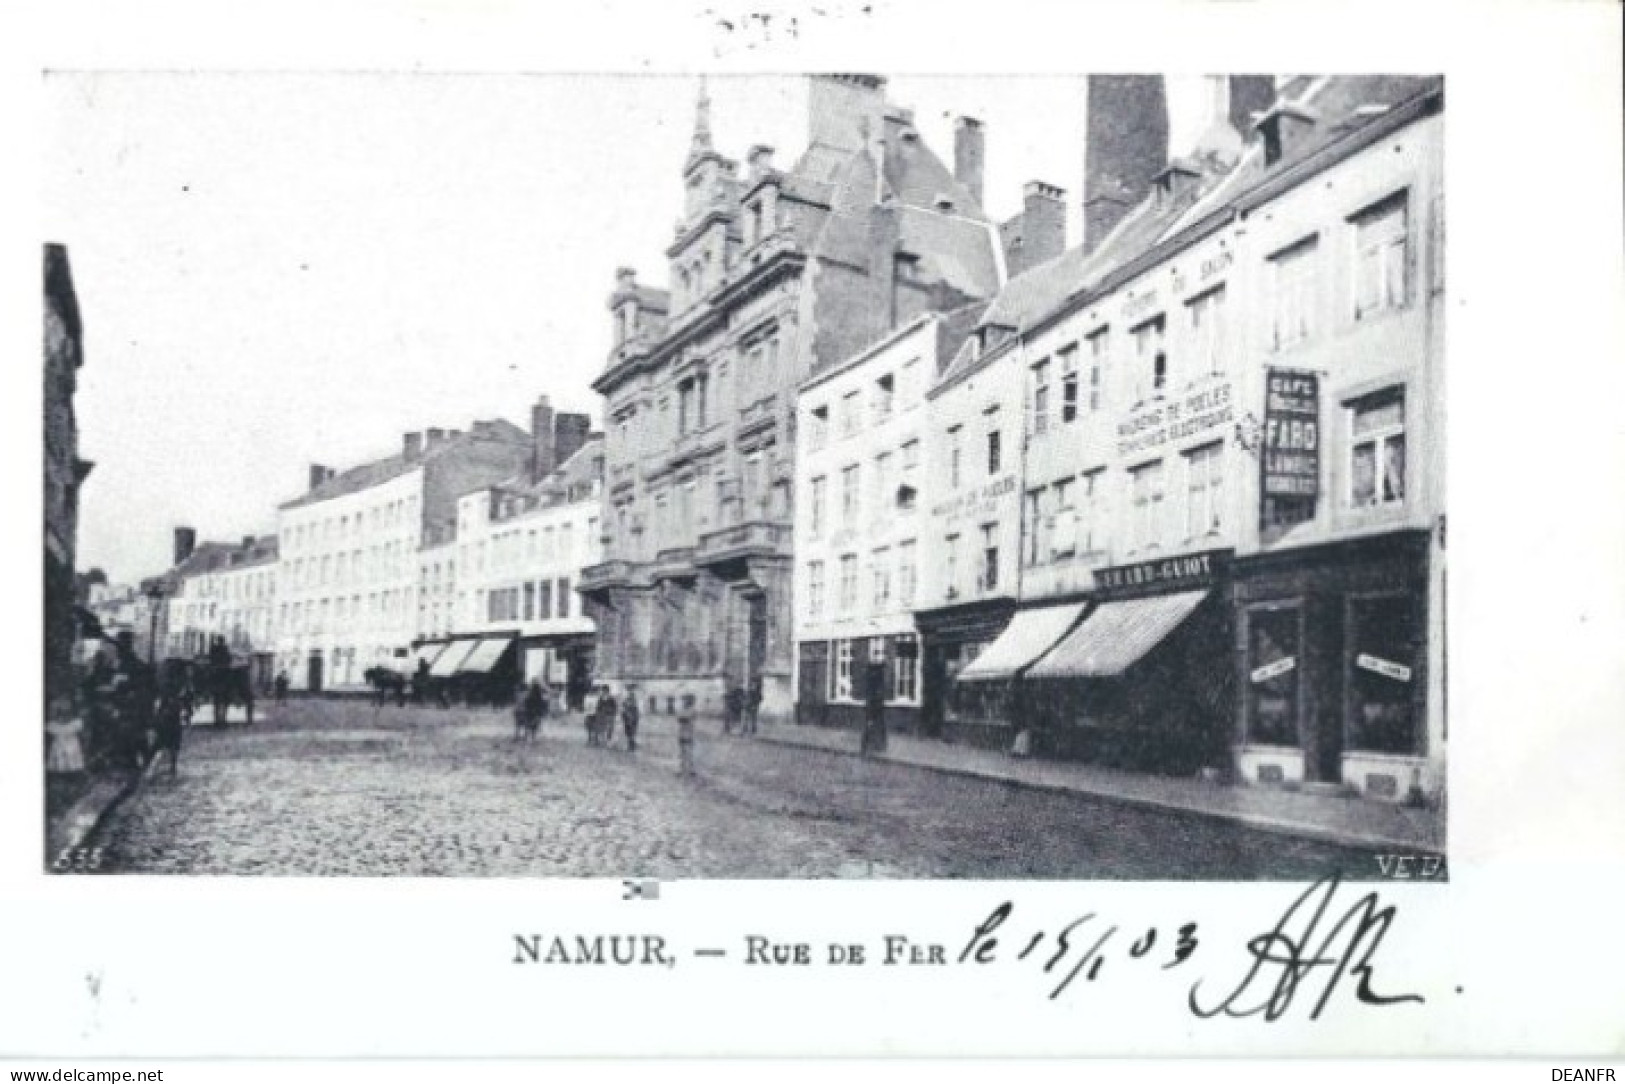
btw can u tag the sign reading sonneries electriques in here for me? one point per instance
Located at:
(1292, 434)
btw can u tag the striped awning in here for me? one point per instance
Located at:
(452, 658)
(485, 656)
(426, 653)
(1029, 634)
(1116, 636)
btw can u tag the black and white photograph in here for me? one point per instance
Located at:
(848, 530)
(550, 476)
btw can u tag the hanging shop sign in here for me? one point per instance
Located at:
(1291, 452)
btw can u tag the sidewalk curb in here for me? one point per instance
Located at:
(1296, 829)
(88, 814)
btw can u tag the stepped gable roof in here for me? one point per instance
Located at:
(379, 471)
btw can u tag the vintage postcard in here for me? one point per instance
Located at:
(763, 524)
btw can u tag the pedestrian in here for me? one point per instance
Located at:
(733, 709)
(65, 728)
(528, 713)
(134, 690)
(753, 704)
(874, 710)
(167, 730)
(281, 686)
(629, 719)
(606, 713)
(589, 714)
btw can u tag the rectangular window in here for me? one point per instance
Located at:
(849, 413)
(885, 396)
(1151, 358)
(849, 495)
(1069, 383)
(905, 667)
(1377, 465)
(815, 589)
(882, 577)
(950, 561)
(993, 444)
(1383, 675)
(1204, 497)
(1145, 485)
(1381, 278)
(564, 597)
(1063, 529)
(956, 451)
(905, 573)
(1294, 271)
(530, 601)
(990, 557)
(840, 675)
(1205, 316)
(818, 427)
(849, 582)
(815, 511)
(885, 488)
(1274, 669)
(1035, 513)
(911, 454)
(1041, 397)
(544, 599)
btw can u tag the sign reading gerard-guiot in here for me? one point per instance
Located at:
(1187, 570)
(1291, 452)
(1163, 422)
(1274, 669)
(1388, 669)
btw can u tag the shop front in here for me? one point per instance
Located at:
(951, 639)
(562, 663)
(1144, 681)
(831, 678)
(1332, 658)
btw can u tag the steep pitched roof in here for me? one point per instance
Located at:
(383, 470)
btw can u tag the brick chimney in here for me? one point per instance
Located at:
(411, 446)
(1250, 96)
(319, 474)
(846, 111)
(569, 434)
(970, 154)
(248, 543)
(1125, 146)
(433, 438)
(542, 455)
(185, 543)
(1043, 222)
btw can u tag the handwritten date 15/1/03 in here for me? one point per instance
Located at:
(1303, 947)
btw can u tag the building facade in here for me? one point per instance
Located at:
(519, 551)
(64, 472)
(227, 591)
(774, 275)
(861, 483)
(1229, 562)
(349, 565)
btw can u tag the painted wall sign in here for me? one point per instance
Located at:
(1187, 570)
(1274, 669)
(1291, 451)
(1154, 425)
(1382, 666)
(976, 503)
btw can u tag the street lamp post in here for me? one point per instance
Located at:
(155, 595)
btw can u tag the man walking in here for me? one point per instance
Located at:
(629, 718)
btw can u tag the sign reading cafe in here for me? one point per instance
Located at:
(1291, 452)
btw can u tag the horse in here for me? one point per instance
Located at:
(385, 682)
(226, 686)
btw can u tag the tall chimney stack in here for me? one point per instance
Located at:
(1043, 223)
(1125, 146)
(569, 434)
(1250, 96)
(411, 446)
(970, 155)
(542, 460)
(185, 543)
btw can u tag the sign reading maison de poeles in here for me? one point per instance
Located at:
(1160, 422)
(1185, 570)
(1292, 434)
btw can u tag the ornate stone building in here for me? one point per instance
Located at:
(774, 275)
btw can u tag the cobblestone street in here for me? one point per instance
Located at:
(335, 788)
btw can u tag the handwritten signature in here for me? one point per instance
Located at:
(1283, 961)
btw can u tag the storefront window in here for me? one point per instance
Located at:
(1273, 659)
(1382, 675)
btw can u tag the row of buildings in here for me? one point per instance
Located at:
(1171, 499)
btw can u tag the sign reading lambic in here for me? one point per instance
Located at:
(1291, 453)
(1164, 574)
(1164, 421)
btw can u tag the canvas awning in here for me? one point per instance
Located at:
(426, 653)
(450, 659)
(1029, 634)
(1116, 636)
(485, 656)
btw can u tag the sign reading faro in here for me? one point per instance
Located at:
(1292, 434)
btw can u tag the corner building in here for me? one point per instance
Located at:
(774, 275)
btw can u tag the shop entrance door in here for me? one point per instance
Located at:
(933, 682)
(313, 672)
(756, 649)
